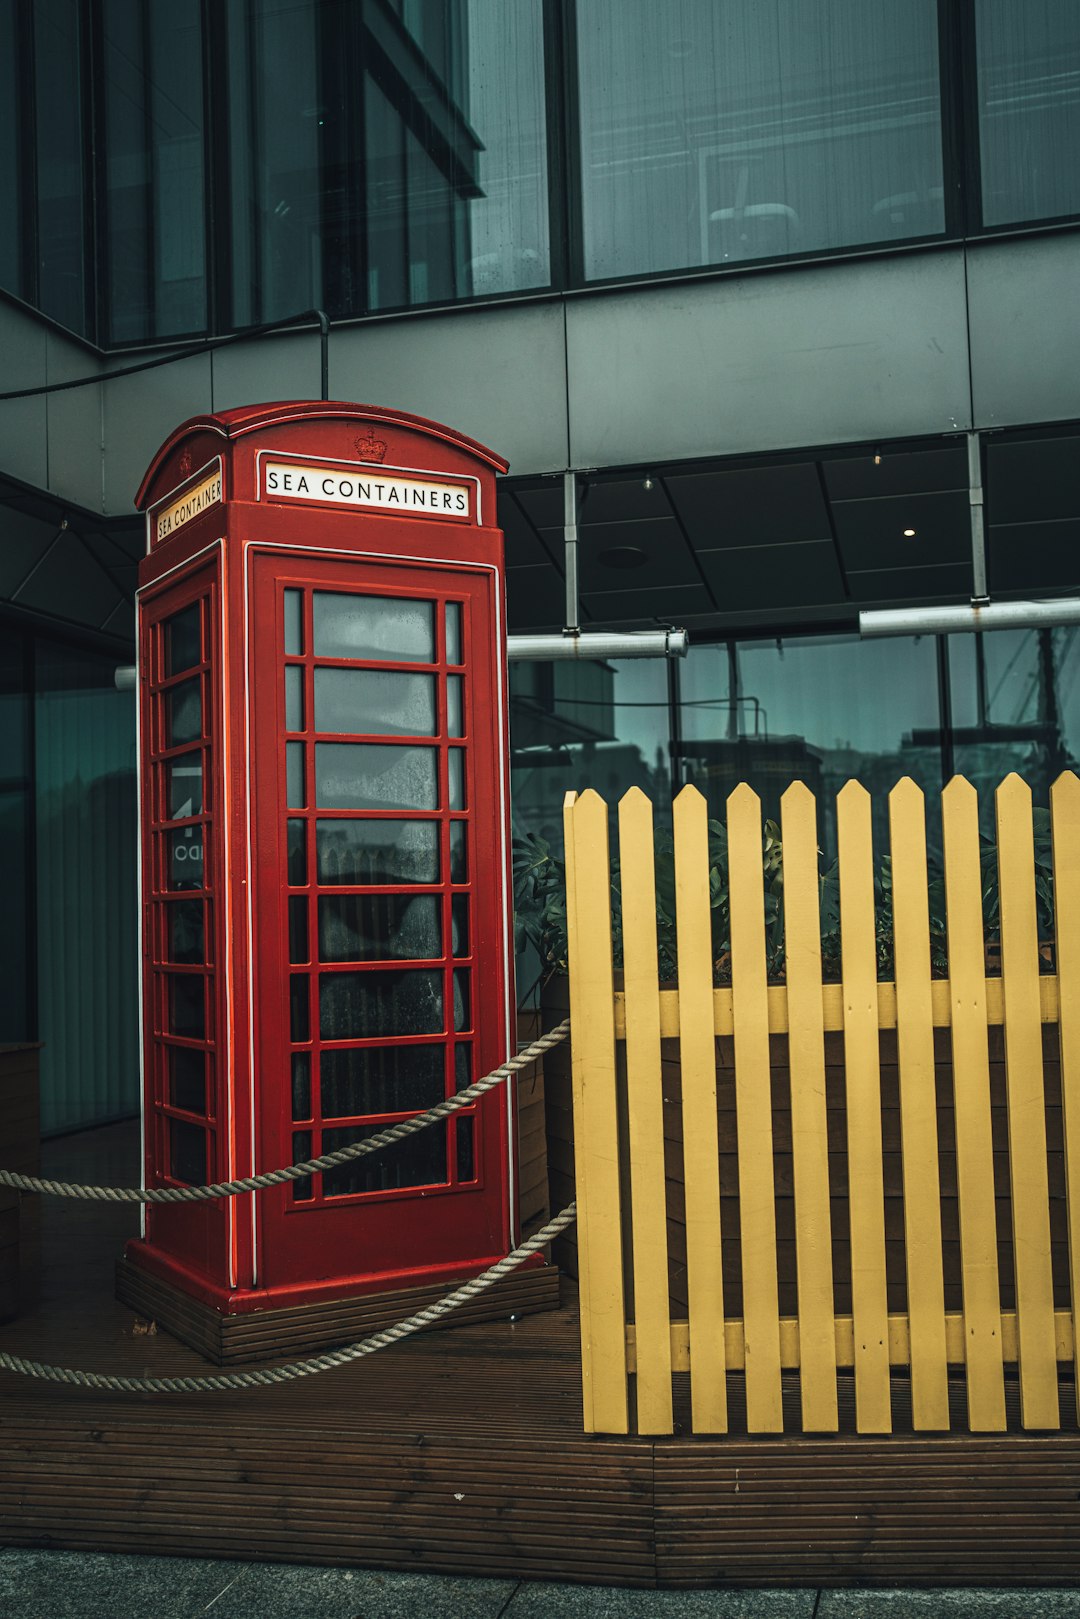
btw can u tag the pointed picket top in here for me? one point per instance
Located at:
(1066, 787)
(633, 798)
(1013, 791)
(958, 790)
(689, 797)
(590, 797)
(796, 794)
(852, 792)
(907, 791)
(743, 796)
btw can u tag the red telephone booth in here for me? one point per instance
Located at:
(327, 929)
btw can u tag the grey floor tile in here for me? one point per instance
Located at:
(108, 1585)
(949, 1604)
(287, 1591)
(542, 1601)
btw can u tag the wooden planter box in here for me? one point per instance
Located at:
(560, 1145)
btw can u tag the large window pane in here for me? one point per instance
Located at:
(1015, 706)
(385, 155)
(154, 204)
(12, 166)
(715, 133)
(818, 710)
(62, 269)
(1028, 54)
(600, 725)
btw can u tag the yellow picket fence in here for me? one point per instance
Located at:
(631, 1342)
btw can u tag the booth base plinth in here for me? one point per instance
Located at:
(229, 1340)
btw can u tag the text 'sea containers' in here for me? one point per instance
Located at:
(327, 939)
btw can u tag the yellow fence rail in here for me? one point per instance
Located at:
(679, 1093)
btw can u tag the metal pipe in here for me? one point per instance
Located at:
(978, 530)
(600, 644)
(971, 618)
(571, 507)
(324, 351)
(126, 677)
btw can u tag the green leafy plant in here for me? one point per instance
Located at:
(540, 904)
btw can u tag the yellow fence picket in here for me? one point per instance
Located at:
(701, 1154)
(753, 1111)
(809, 1129)
(971, 1092)
(1026, 1106)
(866, 1193)
(1065, 814)
(645, 1112)
(918, 1108)
(603, 1314)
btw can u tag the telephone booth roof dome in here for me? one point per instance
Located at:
(233, 424)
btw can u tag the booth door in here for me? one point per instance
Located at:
(380, 912)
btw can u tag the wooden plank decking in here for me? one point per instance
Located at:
(463, 1451)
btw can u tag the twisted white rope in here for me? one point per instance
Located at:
(294, 1172)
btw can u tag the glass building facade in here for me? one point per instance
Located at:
(191, 168)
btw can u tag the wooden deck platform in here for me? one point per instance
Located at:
(462, 1452)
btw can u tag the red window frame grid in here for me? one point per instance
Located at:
(444, 816)
(200, 591)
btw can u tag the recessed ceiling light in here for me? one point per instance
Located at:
(909, 534)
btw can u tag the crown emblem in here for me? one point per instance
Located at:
(370, 448)
(185, 463)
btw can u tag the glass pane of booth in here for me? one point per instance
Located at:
(183, 713)
(381, 1079)
(183, 644)
(186, 1006)
(185, 941)
(379, 927)
(185, 862)
(376, 851)
(419, 1160)
(187, 1152)
(370, 1005)
(187, 1079)
(385, 629)
(374, 702)
(374, 775)
(184, 786)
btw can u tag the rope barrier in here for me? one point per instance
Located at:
(267, 1376)
(294, 1172)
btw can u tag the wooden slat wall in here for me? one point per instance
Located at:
(822, 1207)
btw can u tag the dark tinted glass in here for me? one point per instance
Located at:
(381, 1079)
(187, 1005)
(187, 1079)
(377, 851)
(419, 1160)
(716, 133)
(1028, 55)
(379, 927)
(185, 858)
(299, 1015)
(297, 855)
(62, 200)
(183, 649)
(184, 786)
(466, 1161)
(459, 864)
(154, 163)
(187, 1152)
(185, 939)
(301, 1148)
(356, 1006)
(459, 924)
(298, 927)
(183, 712)
(301, 1085)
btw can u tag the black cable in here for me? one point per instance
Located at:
(207, 346)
